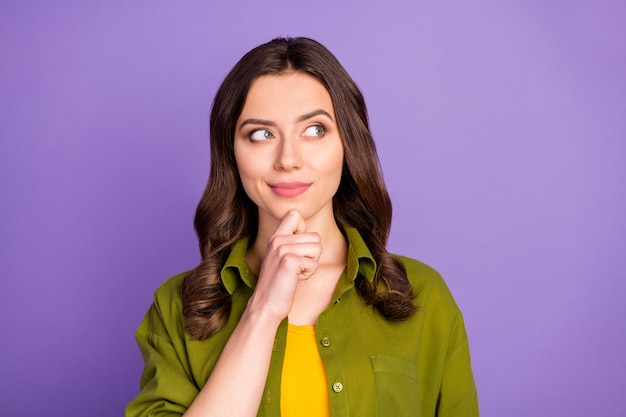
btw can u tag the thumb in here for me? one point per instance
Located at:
(292, 223)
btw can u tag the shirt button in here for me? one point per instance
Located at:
(337, 387)
(325, 342)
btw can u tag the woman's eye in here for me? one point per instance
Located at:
(261, 134)
(314, 131)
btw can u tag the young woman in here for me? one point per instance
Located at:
(297, 308)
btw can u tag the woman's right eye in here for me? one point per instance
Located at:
(260, 135)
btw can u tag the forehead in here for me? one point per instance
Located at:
(289, 94)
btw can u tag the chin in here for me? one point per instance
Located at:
(280, 213)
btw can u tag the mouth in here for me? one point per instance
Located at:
(289, 189)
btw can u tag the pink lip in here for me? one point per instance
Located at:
(289, 189)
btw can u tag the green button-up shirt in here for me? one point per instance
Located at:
(374, 367)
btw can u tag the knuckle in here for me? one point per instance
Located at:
(290, 260)
(274, 243)
(282, 252)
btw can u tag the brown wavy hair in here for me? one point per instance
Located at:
(225, 214)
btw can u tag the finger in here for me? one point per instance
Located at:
(308, 268)
(311, 250)
(291, 224)
(277, 241)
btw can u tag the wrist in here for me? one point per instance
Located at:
(262, 315)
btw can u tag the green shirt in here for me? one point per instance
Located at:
(375, 367)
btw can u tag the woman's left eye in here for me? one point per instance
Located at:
(314, 131)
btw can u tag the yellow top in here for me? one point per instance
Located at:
(304, 389)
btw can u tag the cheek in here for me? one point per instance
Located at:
(333, 161)
(252, 168)
(249, 186)
(245, 163)
(245, 170)
(247, 180)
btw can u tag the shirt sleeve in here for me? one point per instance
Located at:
(458, 396)
(167, 387)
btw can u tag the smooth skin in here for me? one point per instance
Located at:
(289, 154)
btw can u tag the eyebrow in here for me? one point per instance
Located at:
(310, 115)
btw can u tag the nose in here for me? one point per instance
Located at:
(289, 155)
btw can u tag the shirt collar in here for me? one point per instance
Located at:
(360, 259)
(237, 271)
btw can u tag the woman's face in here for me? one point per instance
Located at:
(287, 146)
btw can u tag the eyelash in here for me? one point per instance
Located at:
(259, 130)
(317, 125)
(271, 135)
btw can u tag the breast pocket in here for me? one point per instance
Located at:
(396, 386)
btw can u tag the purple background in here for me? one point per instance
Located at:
(500, 129)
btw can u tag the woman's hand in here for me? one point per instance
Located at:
(241, 371)
(292, 255)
